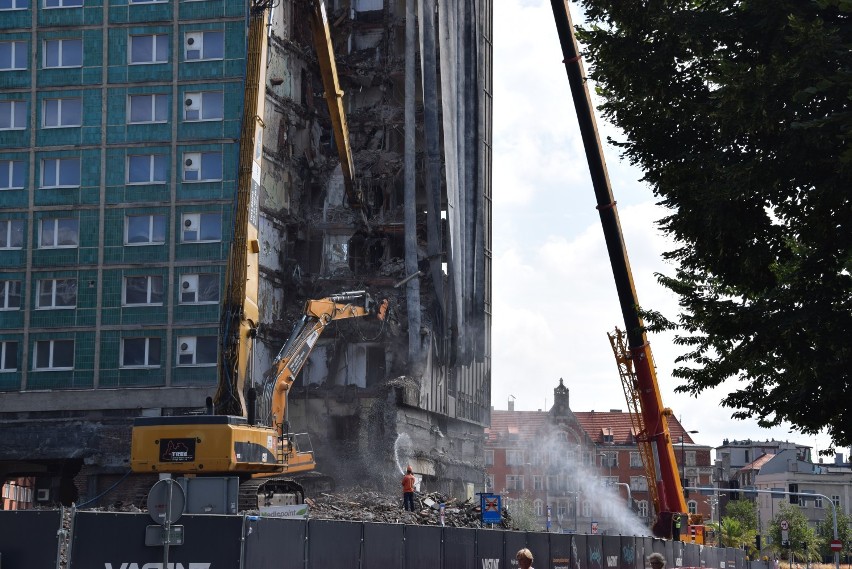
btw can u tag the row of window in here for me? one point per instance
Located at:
(516, 457)
(67, 112)
(143, 49)
(66, 172)
(64, 232)
(55, 355)
(48, 4)
(138, 290)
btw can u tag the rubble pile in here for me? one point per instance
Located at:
(367, 506)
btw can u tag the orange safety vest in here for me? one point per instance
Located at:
(408, 483)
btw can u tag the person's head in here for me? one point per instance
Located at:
(525, 558)
(408, 470)
(656, 561)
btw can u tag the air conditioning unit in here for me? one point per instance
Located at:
(191, 222)
(191, 165)
(189, 284)
(192, 106)
(193, 44)
(186, 345)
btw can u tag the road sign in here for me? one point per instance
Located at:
(166, 501)
(594, 528)
(490, 505)
(836, 545)
(785, 525)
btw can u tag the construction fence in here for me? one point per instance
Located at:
(83, 539)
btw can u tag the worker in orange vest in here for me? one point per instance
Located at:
(408, 490)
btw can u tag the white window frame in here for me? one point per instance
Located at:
(192, 351)
(16, 46)
(148, 1)
(150, 363)
(56, 221)
(639, 483)
(154, 54)
(149, 284)
(194, 162)
(818, 502)
(51, 344)
(538, 482)
(13, 114)
(194, 42)
(152, 168)
(692, 507)
(515, 482)
(8, 226)
(195, 102)
(61, 102)
(489, 482)
(5, 296)
(514, 457)
(587, 509)
(153, 110)
(538, 508)
(635, 460)
(191, 284)
(561, 508)
(63, 4)
(17, 5)
(7, 347)
(152, 237)
(489, 458)
(61, 56)
(40, 283)
(642, 508)
(689, 458)
(193, 222)
(835, 499)
(56, 164)
(10, 169)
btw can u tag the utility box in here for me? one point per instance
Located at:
(211, 495)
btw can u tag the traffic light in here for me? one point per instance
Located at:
(757, 542)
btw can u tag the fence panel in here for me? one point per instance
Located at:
(560, 551)
(673, 553)
(267, 538)
(691, 556)
(460, 548)
(113, 540)
(514, 541)
(490, 553)
(594, 552)
(28, 538)
(539, 544)
(334, 544)
(384, 545)
(422, 547)
(631, 552)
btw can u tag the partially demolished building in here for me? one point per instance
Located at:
(118, 169)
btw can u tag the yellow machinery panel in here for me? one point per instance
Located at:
(212, 444)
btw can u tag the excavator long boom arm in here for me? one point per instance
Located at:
(669, 488)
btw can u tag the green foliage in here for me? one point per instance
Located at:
(825, 531)
(738, 114)
(744, 512)
(523, 516)
(799, 532)
(733, 533)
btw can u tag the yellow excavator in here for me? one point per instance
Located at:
(252, 440)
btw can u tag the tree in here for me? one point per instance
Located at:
(732, 532)
(825, 531)
(798, 533)
(744, 512)
(738, 114)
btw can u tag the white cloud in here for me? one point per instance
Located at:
(553, 291)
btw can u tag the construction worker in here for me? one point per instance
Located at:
(676, 521)
(408, 490)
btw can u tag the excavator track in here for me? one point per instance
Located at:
(259, 493)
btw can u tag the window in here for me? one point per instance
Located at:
(54, 354)
(204, 106)
(202, 166)
(587, 509)
(146, 1)
(59, 113)
(8, 356)
(514, 482)
(199, 289)
(56, 293)
(13, 55)
(197, 350)
(642, 508)
(610, 480)
(147, 169)
(14, 4)
(148, 108)
(12, 174)
(202, 227)
(140, 352)
(835, 499)
(690, 458)
(489, 458)
(538, 506)
(60, 173)
(11, 233)
(63, 53)
(635, 460)
(538, 482)
(793, 489)
(204, 45)
(609, 459)
(818, 502)
(62, 3)
(13, 115)
(639, 483)
(489, 482)
(149, 49)
(561, 508)
(145, 229)
(537, 457)
(60, 232)
(587, 457)
(146, 290)
(692, 507)
(10, 295)
(514, 457)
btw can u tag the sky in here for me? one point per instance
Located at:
(554, 298)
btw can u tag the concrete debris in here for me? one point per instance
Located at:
(368, 506)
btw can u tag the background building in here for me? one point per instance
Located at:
(581, 463)
(119, 152)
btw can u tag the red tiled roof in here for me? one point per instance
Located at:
(758, 463)
(524, 424)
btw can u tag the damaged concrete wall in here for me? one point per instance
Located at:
(359, 393)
